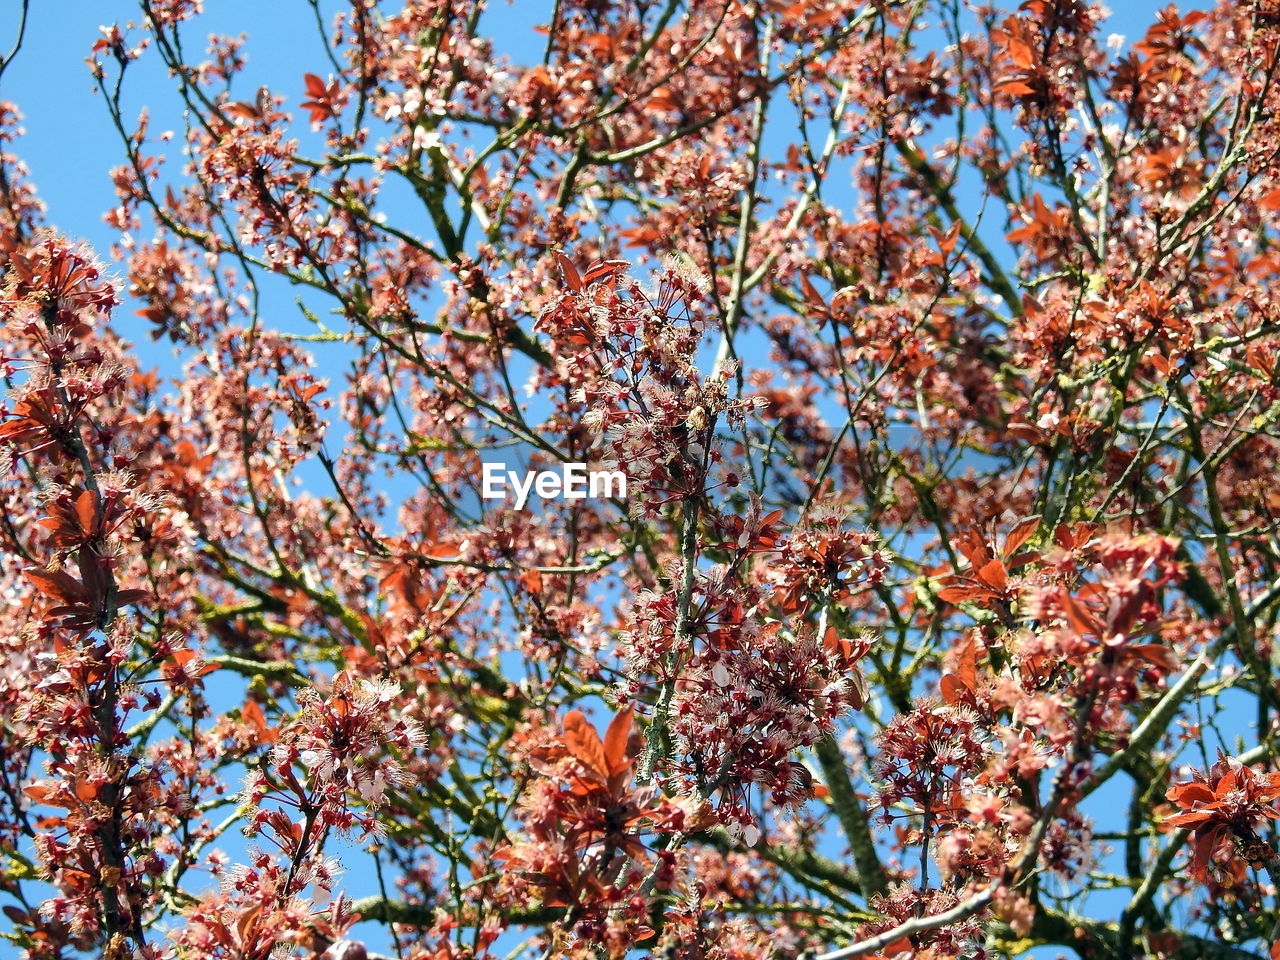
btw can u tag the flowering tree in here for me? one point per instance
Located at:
(940, 349)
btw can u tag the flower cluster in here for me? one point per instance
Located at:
(901, 903)
(585, 828)
(741, 714)
(342, 749)
(748, 691)
(1224, 807)
(106, 799)
(824, 560)
(630, 359)
(341, 746)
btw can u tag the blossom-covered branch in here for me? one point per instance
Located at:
(935, 348)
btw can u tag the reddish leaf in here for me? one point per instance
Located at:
(315, 86)
(604, 270)
(252, 713)
(570, 273)
(57, 585)
(39, 792)
(1019, 535)
(183, 657)
(1017, 88)
(126, 597)
(616, 739)
(245, 110)
(1157, 655)
(584, 743)
(954, 690)
(993, 573)
(967, 664)
(961, 594)
(87, 509)
(1079, 617)
(1188, 794)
